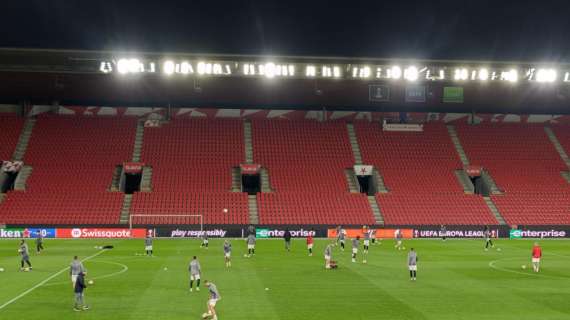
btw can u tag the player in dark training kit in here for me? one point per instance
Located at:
(39, 242)
(488, 241)
(25, 255)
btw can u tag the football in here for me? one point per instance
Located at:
(90, 282)
(523, 266)
(1, 269)
(205, 315)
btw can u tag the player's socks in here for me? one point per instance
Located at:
(191, 285)
(198, 284)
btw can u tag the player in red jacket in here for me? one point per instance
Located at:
(536, 255)
(310, 243)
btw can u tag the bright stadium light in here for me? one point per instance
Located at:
(269, 69)
(511, 75)
(311, 71)
(461, 74)
(186, 68)
(123, 66)
(134, 66)
(395, 72)
(546, 75)
(168, 67)
(483, 74)
(411, 73)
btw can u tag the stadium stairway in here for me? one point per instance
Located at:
(247, 139)
(490, 182)
(351, 180)
(494, 210)
(379, 219)
(252, 206)
(115, 182)
(354, 143)
(464, 180)
(557, 145)
(265, 182)
(22, 178)
(146, 175)
(457, 145)
(24, 139)
(236, 179)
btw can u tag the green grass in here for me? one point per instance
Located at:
(455, 281)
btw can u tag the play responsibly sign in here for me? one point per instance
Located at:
(519, 234)
(278, 233)
(182, 233)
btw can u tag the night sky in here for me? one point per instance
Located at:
(461, 29)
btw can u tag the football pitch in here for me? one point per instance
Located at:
(457, 279)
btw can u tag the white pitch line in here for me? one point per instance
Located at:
(23, 294)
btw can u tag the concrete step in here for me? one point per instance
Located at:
(489, 181)
(351, 180)
(457, 144)
(265, 181)
(24, 139)
(125, 209)
(375, 207)
(248, 141)
(146, 179)
(253, 212)
(380, 185)
(465, 182)
(493, 208)
(354, 143)
(22, 178)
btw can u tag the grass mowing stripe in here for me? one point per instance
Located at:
(23, 294)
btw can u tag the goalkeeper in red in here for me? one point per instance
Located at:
(536, 255)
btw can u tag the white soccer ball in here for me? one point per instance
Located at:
(403, 248)
(90, 282)
(266, 289)
(1, 269)
(205, 315)
(523, 266)
(498, 249)
(245, 255)
(165, 268)
(26, 269)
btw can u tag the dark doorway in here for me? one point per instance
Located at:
(366, 185)
(479, 186)
(9, 181)
(250, 183)
(132, 182)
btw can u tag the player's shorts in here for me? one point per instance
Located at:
(148, 248)
(205, 242)
(310, 246)
(341, 241)
(327, 257)
(73, 278)
(535, 260)
(212, 302)
(413, 268)
(251, 246)
(355, 250)
(194, 277)
(227, 254)
(366, 242)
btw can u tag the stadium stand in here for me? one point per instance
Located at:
(73, 159)
(11, 127)
(192, 160)
(418, 169)
(525, 166)
(306, 162)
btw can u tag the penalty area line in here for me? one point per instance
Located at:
(23, 294)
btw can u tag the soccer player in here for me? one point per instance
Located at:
(340, 238)
(148, 245)
(310, 242)
(366, 244)
(250, 245)
(39, 242)
(488, 241)
(398, 235)
(287, 237)
(25, 255)
(536, 255)
(355, 244)
(328, 256)
(228, 253)
(443, 231)
(373, 236)
(204, 241)
(213, 299)
(412, 264)
(195, 272)
(78, 289)
(75, 268)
